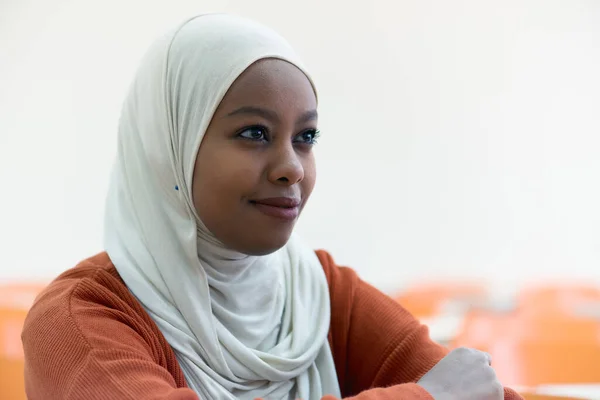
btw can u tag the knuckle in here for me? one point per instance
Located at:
(481, 356)
(488, 358)
(491, 374)
(462, 351)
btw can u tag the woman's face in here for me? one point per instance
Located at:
(255, 169)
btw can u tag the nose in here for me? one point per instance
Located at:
(286, 167)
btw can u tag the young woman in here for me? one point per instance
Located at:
(203, 291)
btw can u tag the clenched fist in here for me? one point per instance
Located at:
(464, 374)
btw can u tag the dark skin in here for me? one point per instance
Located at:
(257, 146)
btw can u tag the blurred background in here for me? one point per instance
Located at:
(459, 162)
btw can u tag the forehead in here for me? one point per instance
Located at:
(271, 83)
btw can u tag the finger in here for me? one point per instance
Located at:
(479, 355)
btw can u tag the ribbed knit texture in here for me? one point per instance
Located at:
(87, 337)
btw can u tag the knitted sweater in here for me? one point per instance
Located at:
(87, 337)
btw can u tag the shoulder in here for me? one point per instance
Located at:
(92, 279)
(332, 270)
(72, 305)
(344, 284)
(86, 332)
(55, 300)
(340, 279)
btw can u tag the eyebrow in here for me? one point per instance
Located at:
(271, 115)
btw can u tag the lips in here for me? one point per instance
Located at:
(282, 202)
(284, 208)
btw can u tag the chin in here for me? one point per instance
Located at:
(261, 245)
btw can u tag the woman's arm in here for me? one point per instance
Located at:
(83, 342)
(380, 349)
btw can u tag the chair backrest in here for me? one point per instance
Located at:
(15, 301)
(429, 299)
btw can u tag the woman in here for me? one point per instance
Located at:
(203, 291)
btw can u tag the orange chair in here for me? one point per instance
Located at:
(533, 396)
(544, 341)
(567, 299)
(15, 301)
(559, 329)
(526, 363)
(547, 349)
(427, 300)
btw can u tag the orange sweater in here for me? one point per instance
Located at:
(87, 337)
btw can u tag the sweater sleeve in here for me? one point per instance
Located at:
(380, 349)
(81, 343)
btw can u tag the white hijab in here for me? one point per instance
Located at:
(241, 326)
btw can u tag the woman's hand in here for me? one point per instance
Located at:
(463, 374)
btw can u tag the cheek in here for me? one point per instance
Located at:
(220, 182)
(310, 176)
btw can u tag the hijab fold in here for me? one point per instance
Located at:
(241, 326)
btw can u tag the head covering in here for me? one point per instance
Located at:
(241, 326)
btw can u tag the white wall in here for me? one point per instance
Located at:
(460, 139)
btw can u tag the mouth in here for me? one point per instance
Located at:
(283, 208)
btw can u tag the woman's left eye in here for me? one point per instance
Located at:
(257, 133)
(308, 137)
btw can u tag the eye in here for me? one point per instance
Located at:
(309, 136)
(257, 133)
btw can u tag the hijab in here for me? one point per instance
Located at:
(241, 326)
